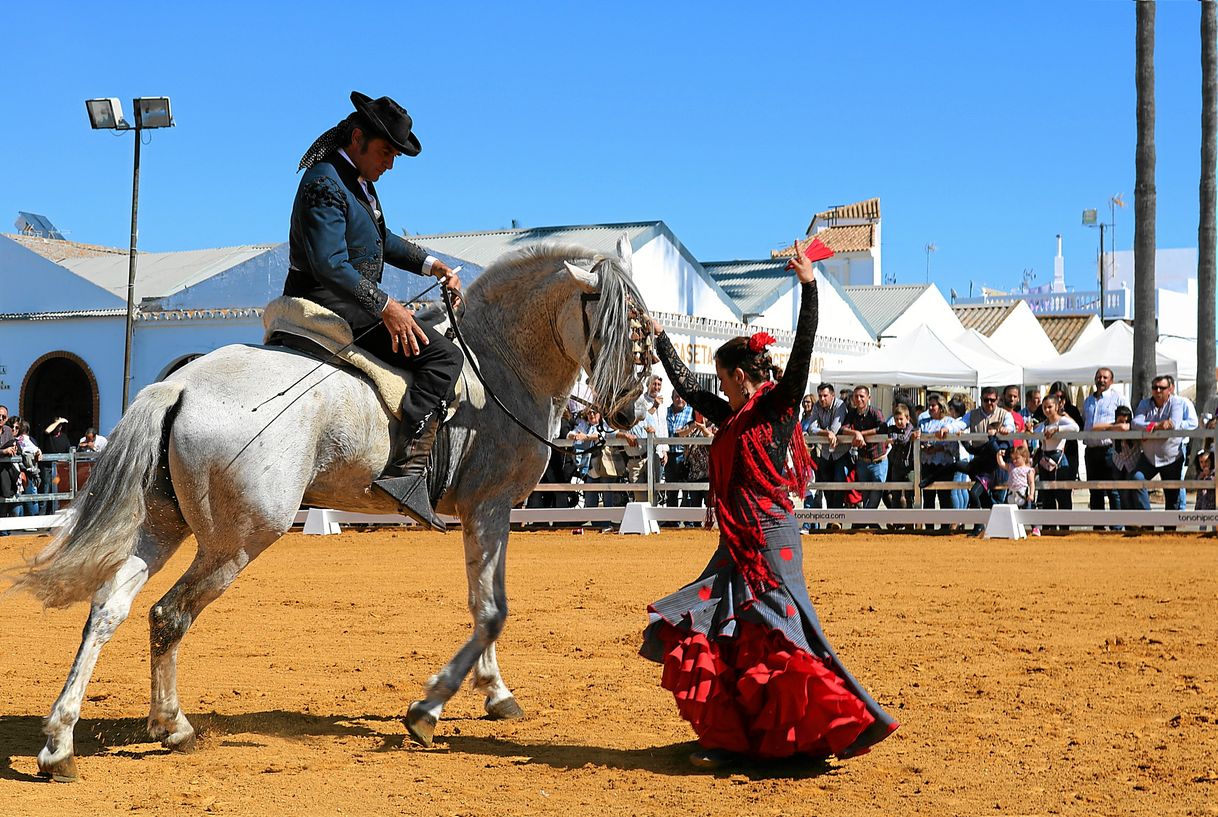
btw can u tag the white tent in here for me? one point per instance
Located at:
(1003, 371)
(1113, 349)
(1184, 352)
(921, 357)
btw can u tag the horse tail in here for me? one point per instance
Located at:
(104, 522)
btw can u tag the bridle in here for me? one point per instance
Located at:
(642, 349)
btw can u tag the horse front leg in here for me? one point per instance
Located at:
(485, 533)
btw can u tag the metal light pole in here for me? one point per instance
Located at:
(1090, 219)
(150, 112)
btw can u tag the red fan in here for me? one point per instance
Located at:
(816, 250)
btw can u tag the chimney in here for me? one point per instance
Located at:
(1059, 269)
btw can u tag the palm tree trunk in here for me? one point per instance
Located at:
(1206, 226)
(1144, 333)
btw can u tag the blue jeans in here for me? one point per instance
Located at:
(833, 470)
(960, 498)
(871, 472)
(1173, 497)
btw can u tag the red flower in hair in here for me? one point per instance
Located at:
(759, 341)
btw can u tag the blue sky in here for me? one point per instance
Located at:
(984, 128)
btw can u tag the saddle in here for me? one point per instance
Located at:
(307, 327)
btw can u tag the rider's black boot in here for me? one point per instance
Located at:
(406, 477)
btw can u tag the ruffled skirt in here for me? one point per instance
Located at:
(755, 674)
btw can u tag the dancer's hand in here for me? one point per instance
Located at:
(802, 266)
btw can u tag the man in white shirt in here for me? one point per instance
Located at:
(1099, 414)
(1165, 457)
(92, 441)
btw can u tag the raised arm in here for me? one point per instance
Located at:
(790, 389)
(712, 406)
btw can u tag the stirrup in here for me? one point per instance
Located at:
(411, 494)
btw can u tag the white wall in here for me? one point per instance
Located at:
(669, 283)
(159, 344)
(97, 341)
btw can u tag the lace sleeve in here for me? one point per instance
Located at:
(712, 406)
(790, 389)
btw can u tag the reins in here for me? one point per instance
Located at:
(641, 345)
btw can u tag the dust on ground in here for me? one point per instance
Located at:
(1060, 675)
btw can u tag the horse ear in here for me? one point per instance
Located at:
(587, 280)
(624, 251)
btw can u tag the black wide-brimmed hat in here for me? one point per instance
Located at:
(389, 120)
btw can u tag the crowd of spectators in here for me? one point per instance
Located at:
(853, 442)
(26, 473)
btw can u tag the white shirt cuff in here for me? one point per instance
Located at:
(428, 263)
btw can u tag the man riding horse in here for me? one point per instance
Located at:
(338, 249)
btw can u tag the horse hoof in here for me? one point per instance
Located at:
(420, 725)
(63, 771)
(183, 746)
(504, 710)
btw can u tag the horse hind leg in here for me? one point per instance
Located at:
(110, 606)
(211, 573)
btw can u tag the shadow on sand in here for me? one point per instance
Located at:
(21, 735)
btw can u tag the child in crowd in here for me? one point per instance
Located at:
(1020, 480)
(1205, 470)
(1125, 454)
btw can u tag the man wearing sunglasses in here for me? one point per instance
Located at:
(1162, 456)
(993, 420)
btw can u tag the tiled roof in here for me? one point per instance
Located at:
(58, 250)
(1064, 330)
(862, 209)
(846, 238)
(881, 306)
(985, 318)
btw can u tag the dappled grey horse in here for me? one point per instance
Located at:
(181, 462)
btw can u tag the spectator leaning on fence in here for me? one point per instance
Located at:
(830, 459)
(1053, 463)
(1031, 405)
(678, 417)
(1125, 456)
(1165, 457)
(1010, 402)
(871, 464)
(901, 434)
(1099, 414)
(92, 441)
(1065, 407)
(995, 422)
(939, 458)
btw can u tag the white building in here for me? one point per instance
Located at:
(62, 331)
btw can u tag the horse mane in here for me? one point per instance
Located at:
(527, 268)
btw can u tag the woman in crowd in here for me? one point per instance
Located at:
(1054, 462)
(1065, 408)
(743, 652)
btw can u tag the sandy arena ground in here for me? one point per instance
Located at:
(1065, 675)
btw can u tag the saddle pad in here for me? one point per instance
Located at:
(305, 319)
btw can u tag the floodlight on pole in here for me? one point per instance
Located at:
(1090, 219)
(106, 113)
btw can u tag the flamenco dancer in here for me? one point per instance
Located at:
(742, 649)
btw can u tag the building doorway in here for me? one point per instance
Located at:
(60, 384)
